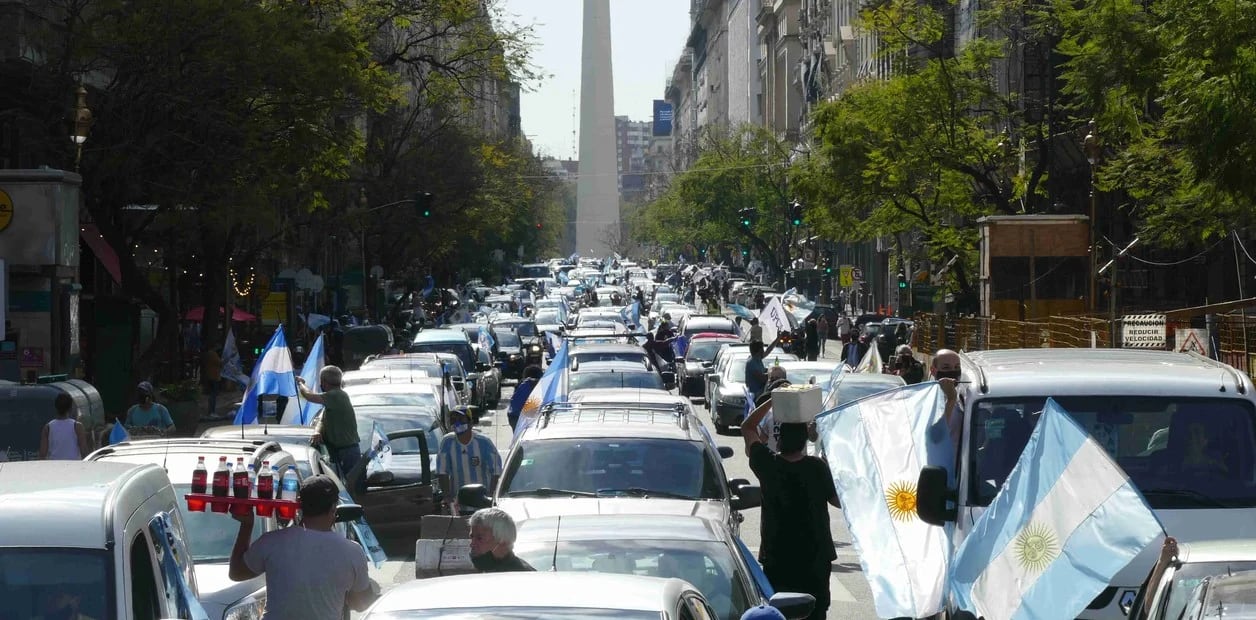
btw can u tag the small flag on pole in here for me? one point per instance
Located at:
(118, 434)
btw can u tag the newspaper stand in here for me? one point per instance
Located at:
(283, 508)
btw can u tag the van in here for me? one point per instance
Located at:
(105, 538)
(1154, 411)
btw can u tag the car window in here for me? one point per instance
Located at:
(34, 580)
(210, 536)
(398, 399)
(708, 565)
(1188, 577)
(389, 424)
(646, 380)
(1179, 452)
(613, 464)
(703, 350)
(507, 338)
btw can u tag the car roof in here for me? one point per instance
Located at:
(178, 456)
(423, 385)
(283, 433)
(426, 414)
(1225, 550)
(605, 347)
(639, 419)
(627, 396)
(63, 503)
(619, 527)
(1082, 371)
(611, 366)
(440, 334)
(533, 589)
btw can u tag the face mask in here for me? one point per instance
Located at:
(947, 374)
(461, 427)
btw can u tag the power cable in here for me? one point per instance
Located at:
(1169, 264)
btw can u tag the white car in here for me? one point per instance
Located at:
(1195, 561)
(542, 595)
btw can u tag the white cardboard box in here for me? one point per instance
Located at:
(796, 404)
(444, 547)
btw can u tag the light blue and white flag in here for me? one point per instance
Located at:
(118, 434)
(231, 366)
(309, 372)
(381, 450)
(876, 447)
(485, 340)
(631, 314)
(551, 388)
(1065, 522)
(829, 389)
(741, 311)
(272, 374)
(427, 290)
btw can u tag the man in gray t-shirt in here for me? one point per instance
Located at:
(317, 572)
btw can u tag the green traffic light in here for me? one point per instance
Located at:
(902, 284)
(427, 213)
(797, 222)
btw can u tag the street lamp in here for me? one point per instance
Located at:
(1093, 152)
(82, 125)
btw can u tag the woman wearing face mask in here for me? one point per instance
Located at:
(147, 415)
(493, 542)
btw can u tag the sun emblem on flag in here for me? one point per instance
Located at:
(532, 405)
(901, 500)
(1036, 547)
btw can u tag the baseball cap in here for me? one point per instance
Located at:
(145, 387)
(763, 612)
(318, 494)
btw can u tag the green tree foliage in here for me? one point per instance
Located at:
(1172, 86)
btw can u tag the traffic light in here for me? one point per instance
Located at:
(539, 226)
(745, 252)
(746, 216)
(902, 279)
(795, 214)
(423, 204)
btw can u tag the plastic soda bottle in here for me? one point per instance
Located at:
(289, 485)
(265, 489)
(200, 485)
(222, 483)
(240, 487)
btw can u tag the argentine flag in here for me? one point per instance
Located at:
(231, 367)
(486, 340)
(309, 372)
(272, 374)
(1065, 522)
(876, 447)
(381, 453)
(550, 388)
(631, 314)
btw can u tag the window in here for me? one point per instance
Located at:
(1180, 452)
(211, 536)
(144, 595)
(175, 565)
(39, 582)
(648, 380)
(613, 466)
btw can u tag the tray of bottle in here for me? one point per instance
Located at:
(284, 505)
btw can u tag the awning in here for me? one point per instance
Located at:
(103, 251)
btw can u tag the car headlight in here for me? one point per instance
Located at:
(733, 399)
(536, 348)
(251, 607)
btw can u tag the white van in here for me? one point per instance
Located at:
(1154, 411)
(104, 539)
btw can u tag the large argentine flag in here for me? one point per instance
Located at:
(1066, 521)
(550, 388)
(309, 372)
(876, 447)
(272, 374)
(231, 368)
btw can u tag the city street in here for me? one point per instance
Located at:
(851, 596)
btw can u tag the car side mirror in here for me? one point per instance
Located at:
(793, 605)
(726, 452)
(483, 367)
(746, 496)
(348, 512)
(380, 478)
(474, 496)
(933, 495)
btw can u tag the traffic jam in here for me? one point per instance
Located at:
(597, 438)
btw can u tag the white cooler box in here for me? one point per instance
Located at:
(444, 549)
(796, 404)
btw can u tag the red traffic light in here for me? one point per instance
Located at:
(539, 226)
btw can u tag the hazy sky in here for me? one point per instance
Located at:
(647, 37)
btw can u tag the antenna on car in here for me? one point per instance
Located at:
(554, 561)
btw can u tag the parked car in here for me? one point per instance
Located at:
(728, 390)
(1181, 573)
(699, 360)
(542, 596)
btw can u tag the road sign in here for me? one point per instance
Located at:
(846, 276)
(1143, 331)
(6, 210)
(1192, 340)
(857, 274)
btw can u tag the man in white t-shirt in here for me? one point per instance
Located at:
(317, 572)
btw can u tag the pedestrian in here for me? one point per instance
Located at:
(906, 365)
(796, 544)
(843, 329)
(211, 376)
(312, 571)
(756, 331)
(854, 351)
(531, 375)
(756, 372)
(811, 343)
(146, 414)
(493, 542)
(337, 427)
(822, 328)
(465, 456)
(64, 438)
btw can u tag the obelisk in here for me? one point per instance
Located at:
(597, 186)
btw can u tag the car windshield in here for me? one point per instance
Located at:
(644, 379)
(40, 582)
(394, 399)
(526, 330)
(461, 349)
(584, 357)
(704, 350)
(665, 466)
(431, 369)
(545, 317)
(390, 423)
(507, 338)
(518, 613)
(210, 537)
(715, 327)
(1180, 452)
(708, 565)
(1186, 578)
(800, 375)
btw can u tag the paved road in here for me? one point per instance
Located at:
(851, 596)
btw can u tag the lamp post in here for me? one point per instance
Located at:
(1093, 151)
(82, 125)
(362, 204)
